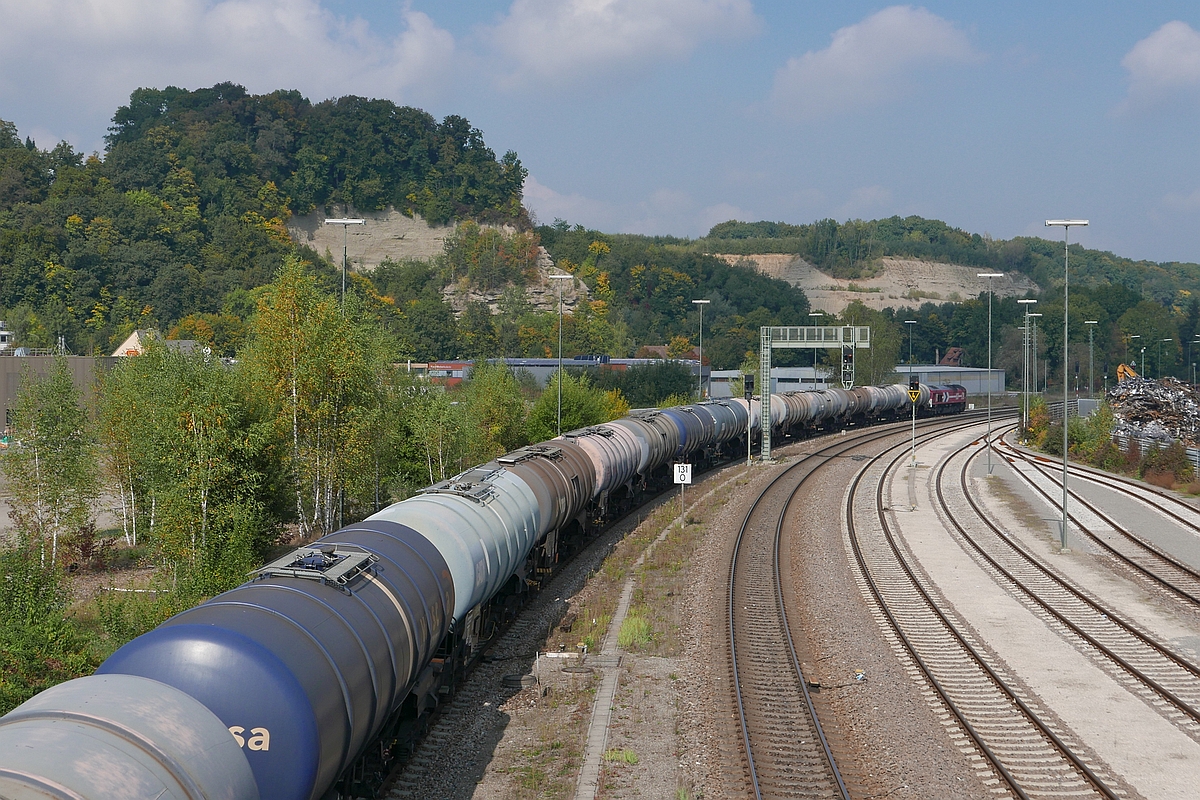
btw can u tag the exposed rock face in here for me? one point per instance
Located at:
(386, 234)
(542, 293)
(390, 234)
(898, 282)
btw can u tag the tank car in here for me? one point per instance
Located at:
(285, 686)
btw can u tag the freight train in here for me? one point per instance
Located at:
(309, 680)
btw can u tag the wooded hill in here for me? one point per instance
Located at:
(847, 250)
(184, 214)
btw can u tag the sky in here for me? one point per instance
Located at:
(669, 116)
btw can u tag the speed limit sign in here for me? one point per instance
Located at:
(683, 473)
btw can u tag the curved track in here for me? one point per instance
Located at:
(1127, 547)
(784, 750)
(1026, 757)
(1150, 669)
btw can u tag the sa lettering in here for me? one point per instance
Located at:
(260, 738)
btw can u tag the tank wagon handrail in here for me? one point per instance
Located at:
(339, 563)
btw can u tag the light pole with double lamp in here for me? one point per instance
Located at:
(1091, 353)
(1033, 316)
(345, 223)
(1066, 225)
(909, 323)
(702, 304)
(988, 439)
(560, 279)
(1129, 338)
(1025, 376)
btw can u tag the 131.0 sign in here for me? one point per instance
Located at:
(683, 473)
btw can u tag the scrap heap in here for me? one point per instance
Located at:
(1163, 410)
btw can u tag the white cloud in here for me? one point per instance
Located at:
(562, 41)
(550, 205)
(92, 54)
(721, 212)
(1161, 66)
(868, 63)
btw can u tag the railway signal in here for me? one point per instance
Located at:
(748, 386)
(914, 394)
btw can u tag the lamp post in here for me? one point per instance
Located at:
(700, 371)
(815, 314)
(1193, 363)
(560, 278)
(1025, 367)
(1159, 365)
(345, 223)
(1066, 225)
(988, 438)
(1091, 353)
(909, 323)
(1128, 339)
(1033, 350)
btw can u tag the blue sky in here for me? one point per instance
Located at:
(667, 116)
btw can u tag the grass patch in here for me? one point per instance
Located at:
(636, 633)
(622, 755)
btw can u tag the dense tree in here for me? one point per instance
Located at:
(319, 366)
(51, 471)
(582, 405)
(646, 385)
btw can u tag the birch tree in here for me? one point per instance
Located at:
(51, 471)
(320, 367)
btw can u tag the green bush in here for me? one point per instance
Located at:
(39, 645)
(1171, 460)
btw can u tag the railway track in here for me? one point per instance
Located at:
(1017, 751)
(1164, 679)
(1127, 547)
(784, 750)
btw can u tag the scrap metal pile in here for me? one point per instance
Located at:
(1162, 410)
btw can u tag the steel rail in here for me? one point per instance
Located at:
(990, 755)
(1157, 552)
(1112, 616)
(831, 450)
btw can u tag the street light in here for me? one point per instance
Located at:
(1091, 353)
(1129, 338)
(1025, 376)
(345, 223)
(702, 304)
(1066, 225)
(560, 278)
(1160, 341)
(1033, 349)
(815, 314)
(988, 438)
(910, 323)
